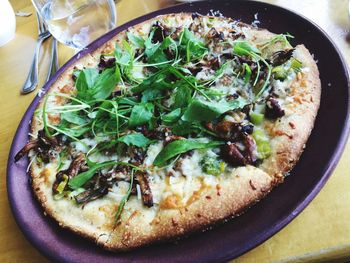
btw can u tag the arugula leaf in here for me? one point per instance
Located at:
(85, 81)
(172, 116)
(73, 117)
(181, 146)
(200, 110)
(247, 72)
(125, 198)
(243, 48)
(91, 85)
(191, 46)
(105, 84)
(182, 96)
(79, 180)
(82, 178)
(125, 62)
(150, 94)
(141, 114)
(183, 128)
(73, 132)
(150, 47)
(137, 139)
(155, 81)
(123, 58)
(156, 53)
(137, 41)
(132, 101)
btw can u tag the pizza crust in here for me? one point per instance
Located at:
(244, 187)
(290, 133)
(210, 204)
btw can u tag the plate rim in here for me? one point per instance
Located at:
(300, 206)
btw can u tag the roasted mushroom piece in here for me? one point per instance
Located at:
(281, 57)
(231, 154)
(160, 32)
(106, 62)
(273, 109)
(99, 189)
(29, 146)
(77, 165)
(146, 193)
(43, 146)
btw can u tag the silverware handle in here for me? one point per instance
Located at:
(32, 78)
(54, 66)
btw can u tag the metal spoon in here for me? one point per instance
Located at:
(32, 79)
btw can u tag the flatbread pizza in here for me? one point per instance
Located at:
(171, 126)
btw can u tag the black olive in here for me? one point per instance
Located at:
(248, 129)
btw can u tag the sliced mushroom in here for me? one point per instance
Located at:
(231, 154)
(43, 146)
(106, 62)
(213, 33)
(160, 32)
(99, 189)
(251, 154)
(29, 146)
(226, 130)
(75, 167)
(273, 109)
(146, 193)
(137, 155)
(281, 57)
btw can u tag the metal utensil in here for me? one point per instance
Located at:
(32, 79)
(54, 60)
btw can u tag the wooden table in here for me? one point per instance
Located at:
(320, 233)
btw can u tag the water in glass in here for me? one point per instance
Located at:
(77, 23)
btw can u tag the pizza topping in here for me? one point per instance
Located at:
(106, 62)
(178, 101)
(281, 57)
(160, 31)
(256, 118)
(262, 143)
(213, 33)
(273, 109)
(76, 166)
(213, 166)
(142, 179)
(232, 154)
(251, 149)
(175, 148)
(97, 188)
(44, 146)
(25, 150)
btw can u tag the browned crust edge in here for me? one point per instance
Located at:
(291, 132)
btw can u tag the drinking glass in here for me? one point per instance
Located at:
(76, 23)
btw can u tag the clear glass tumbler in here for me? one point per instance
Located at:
(76, 23)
